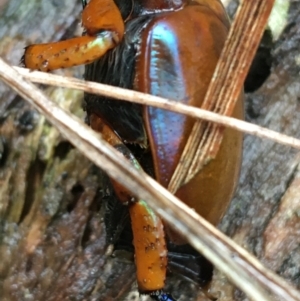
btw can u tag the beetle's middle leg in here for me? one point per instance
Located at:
(148, 234)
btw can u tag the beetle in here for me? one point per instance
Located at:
(167, 48)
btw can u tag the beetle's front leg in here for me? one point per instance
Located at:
(104, 29)
(148, 233)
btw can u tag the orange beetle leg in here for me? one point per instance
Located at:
(105, 28)
(64, 54)
(101, 15)
(148, 233)
(150, 247)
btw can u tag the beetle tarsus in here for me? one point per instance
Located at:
(161, 296)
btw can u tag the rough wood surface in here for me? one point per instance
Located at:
(52, 238)
(264, 215)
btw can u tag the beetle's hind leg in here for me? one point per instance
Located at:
(185, 261)
(104, 29)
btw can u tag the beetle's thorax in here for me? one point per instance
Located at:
(133, 8)
(150, 6)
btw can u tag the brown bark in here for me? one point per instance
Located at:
(53, 240)
(263, 216)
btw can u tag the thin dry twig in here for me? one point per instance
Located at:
(150, 100)
(237, 264)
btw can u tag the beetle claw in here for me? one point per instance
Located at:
(161, 296)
